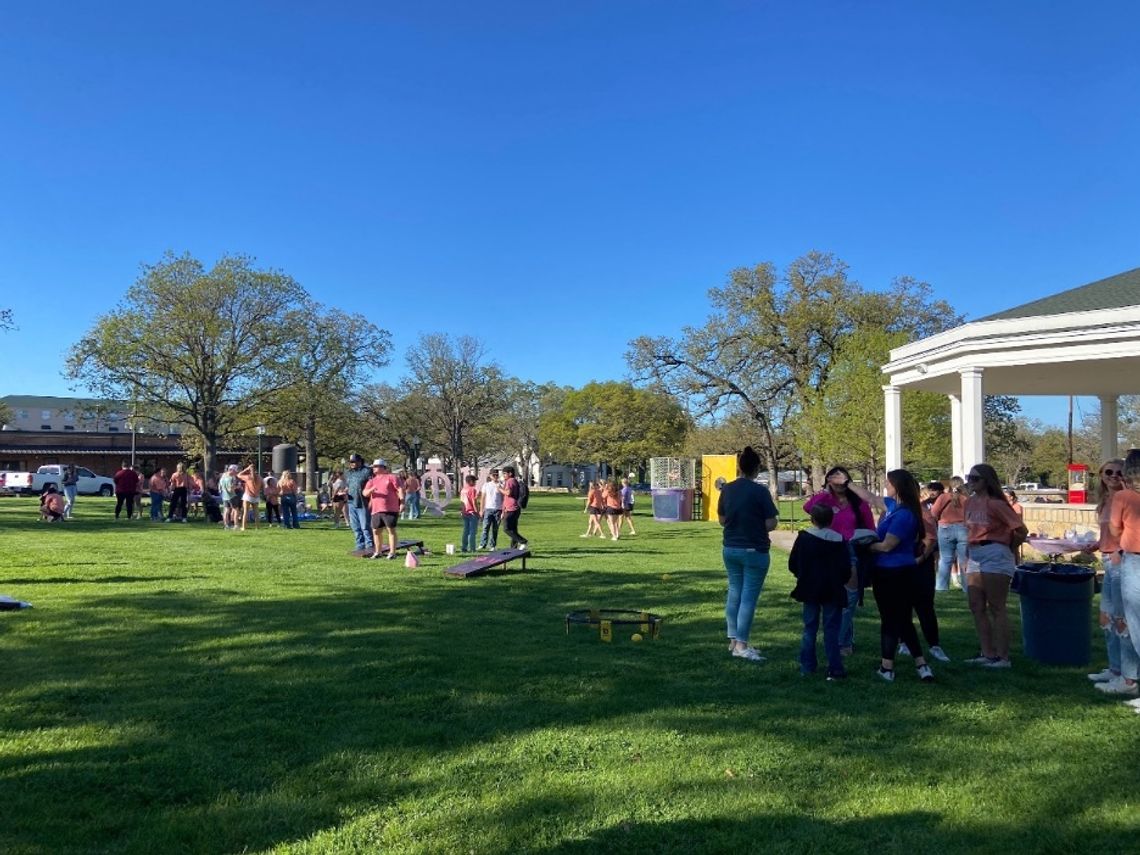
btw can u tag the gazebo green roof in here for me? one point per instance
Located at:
(1115, 292)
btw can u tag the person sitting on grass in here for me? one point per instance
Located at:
(52, 504)
(822, 566)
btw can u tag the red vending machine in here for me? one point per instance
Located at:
(1078, 484)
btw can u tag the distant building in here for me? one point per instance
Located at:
(84, 415)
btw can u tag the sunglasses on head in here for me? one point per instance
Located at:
(1111, 472)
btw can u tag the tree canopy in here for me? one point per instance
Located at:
(615, 423)
(773, 340)
(203, 347)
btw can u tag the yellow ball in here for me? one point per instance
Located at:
(635, 637)
(665, 577)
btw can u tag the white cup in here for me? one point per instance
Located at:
(449, 549)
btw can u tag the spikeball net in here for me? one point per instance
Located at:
(649, 624)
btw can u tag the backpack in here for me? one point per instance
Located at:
(524, 493)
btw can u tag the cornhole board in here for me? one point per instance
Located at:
(479, 566)
(400, 544)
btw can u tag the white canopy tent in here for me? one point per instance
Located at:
(1084, 341)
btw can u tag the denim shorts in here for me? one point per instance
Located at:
(991, 558)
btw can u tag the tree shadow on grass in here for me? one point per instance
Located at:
(211, 722)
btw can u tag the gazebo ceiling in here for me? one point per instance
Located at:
(1085, 341)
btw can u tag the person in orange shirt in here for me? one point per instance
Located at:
(1124, 523)
(251, 498)
(949, 510)
(611, 492)
(1111, 607)
(596, 508)
(411, 487)
(994, 532)
(157, 489)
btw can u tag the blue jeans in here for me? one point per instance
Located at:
(951, 541)
(832, 616)
(1129, 605)
(747, 569)
(69, 493)
(361, 522)
(470, 530)
(490, 527)
(847, 620)
(413, 500)
(155, 506)
(289, 511)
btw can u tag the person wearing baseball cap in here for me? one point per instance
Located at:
(385, 498)
(357, 505)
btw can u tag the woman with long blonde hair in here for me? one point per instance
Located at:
(949, 510)
(1111, 613)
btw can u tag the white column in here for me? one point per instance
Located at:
(973, 438)
(957, 467)
(1109, 428)
(892, 410)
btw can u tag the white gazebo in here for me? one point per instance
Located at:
(1084, 341)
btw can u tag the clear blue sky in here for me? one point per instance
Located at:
(585, 169)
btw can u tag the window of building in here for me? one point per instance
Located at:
(21, 414)
(45, 427)
(69, 427)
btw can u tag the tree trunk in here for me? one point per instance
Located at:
(310, 455)
(210, 446)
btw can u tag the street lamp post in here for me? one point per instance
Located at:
(416, 452)
(260, 434)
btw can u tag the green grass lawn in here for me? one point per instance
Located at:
(187, 689)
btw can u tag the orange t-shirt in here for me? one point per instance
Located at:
(1107, 542)
(945, 512)
(1126, 515)
(993, 519)
(613, 498)
(178, 480)
(596, 500)
(157, 484)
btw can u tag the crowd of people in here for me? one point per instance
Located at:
(904, 546)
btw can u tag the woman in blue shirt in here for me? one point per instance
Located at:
(747, 513)
(900, 531)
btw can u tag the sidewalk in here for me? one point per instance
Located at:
(783, 539)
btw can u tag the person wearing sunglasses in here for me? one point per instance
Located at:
(1124, 523)
(994, 531)
(1120, 675)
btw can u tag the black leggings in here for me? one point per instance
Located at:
(271, 511)
(177, 503)
(922, 595)
(893, 595)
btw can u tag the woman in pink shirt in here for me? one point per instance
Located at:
(949, 510)
(1124, 523)
(469, 496)
(994, 529)
(1111, 608)
(385, 498)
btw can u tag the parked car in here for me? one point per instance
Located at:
(15, 482)
(90, 484)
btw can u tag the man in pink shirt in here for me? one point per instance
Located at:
(385, 498)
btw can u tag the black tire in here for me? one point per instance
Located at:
(106, 491)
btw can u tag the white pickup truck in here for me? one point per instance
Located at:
(16, 482)
(90, 484)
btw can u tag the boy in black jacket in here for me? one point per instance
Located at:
(821, 564)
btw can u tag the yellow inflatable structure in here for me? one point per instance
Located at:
(716, 469)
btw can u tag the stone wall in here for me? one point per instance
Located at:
(1053, 520)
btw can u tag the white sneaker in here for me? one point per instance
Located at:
(1102, 676)
(749, 653)
(925, 674)
(1119, 687)
(904, 650)
(998, 663)
(1134, 703)
(939, 654)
